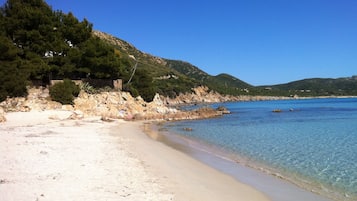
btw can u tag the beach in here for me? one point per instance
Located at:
(48, 156)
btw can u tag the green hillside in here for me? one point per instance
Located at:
(222, 83)
(228, 84)
(320, 87)
(172, 77)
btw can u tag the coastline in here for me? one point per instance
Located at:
(48, 156)
(185, 177)
(273, 186)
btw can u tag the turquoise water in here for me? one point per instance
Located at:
(312, 142)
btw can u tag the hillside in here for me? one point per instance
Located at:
(172, 77)
(321, 87)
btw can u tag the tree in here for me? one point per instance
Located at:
(100, 59)
(12, 75)
(143, 83)
(37, 43)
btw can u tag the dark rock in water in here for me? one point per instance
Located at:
(187, 129)
(223, 109)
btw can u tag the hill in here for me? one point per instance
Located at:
(346, 86)
(172, 77)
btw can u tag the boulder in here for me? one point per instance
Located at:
(68, 107)
(223, 109)
(76, 115)
(2, 115)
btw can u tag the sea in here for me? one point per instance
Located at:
(311, 143)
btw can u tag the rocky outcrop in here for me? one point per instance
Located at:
(203, 94)
(109, 105)
(37, 99)
(119, 105)
(2, 115)
(200, 94)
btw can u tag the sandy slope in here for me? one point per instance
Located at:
(44, 156)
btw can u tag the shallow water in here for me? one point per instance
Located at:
(312, 143)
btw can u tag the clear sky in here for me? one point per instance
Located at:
(258, 41)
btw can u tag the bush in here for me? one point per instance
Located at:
(129, 88)
(64, 92)
(87, 88)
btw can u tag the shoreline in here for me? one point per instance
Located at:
(276, 187)
(188, 178)
(47, 156)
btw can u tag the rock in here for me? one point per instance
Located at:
(187, 129)
(76, 115)
(68, 107)
(53, 105)
(118, 105)
(2, 115)
(223, 109)
(85, 103)
(106, 119)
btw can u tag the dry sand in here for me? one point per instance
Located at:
(45, 156)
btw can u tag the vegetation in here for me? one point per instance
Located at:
(155, 68)
(38, 44)
(64, 92)
(319, 87)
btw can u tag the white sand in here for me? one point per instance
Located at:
(43, 156)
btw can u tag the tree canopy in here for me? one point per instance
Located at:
(37, 42)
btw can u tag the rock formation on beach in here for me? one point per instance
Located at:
(2, 115)
(121, 105)
(203, 94)
(116, 105)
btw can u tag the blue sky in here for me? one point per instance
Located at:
(258, 41)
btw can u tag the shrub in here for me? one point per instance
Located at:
(133, 92)
(87, 88)
(64, 92)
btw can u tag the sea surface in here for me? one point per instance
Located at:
(311, 142)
